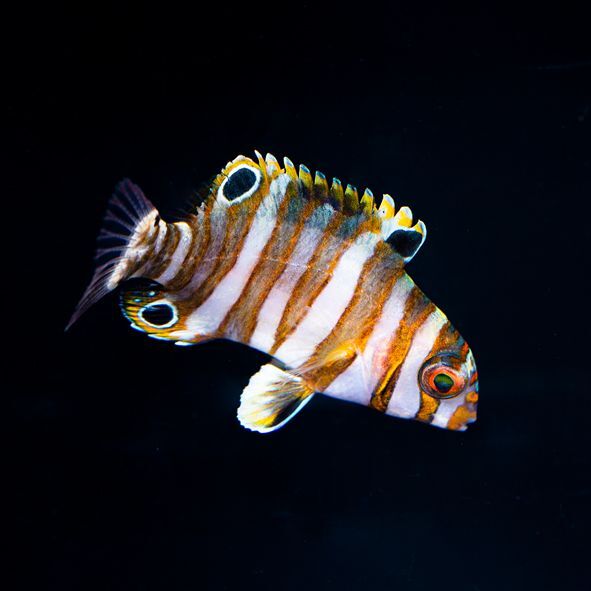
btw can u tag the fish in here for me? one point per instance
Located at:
(312, 275)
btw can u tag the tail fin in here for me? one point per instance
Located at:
(130, 221)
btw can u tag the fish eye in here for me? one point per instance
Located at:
(159, 314)
(443, 382)
(241, 183)
(441, 377)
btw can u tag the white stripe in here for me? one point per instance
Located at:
(217, 234)
(406, 398)
(328, 307)
(218, 220)
(358, 382)
(179, 253)
(138, 245)
(207, 318)
(272, 309)
(162, 232)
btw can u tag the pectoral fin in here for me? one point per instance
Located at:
(273, 396)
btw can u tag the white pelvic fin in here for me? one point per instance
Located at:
(273, 396)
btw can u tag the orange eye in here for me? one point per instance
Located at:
(440, 380)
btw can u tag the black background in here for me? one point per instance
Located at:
(127, 468)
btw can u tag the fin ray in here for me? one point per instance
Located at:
(273, 396)
(126, 209)
(395, 226)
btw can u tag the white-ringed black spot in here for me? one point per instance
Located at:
(241, 182)
(405, 242)
(159, 315)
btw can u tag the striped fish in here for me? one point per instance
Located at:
(314, 276)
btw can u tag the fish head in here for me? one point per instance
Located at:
(149, 308)
(448, 384)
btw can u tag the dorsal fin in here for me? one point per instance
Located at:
(395, 226)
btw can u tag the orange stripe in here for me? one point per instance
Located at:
(242, 319)
(162, 259)
(145, 258)
(416, 311)
(236, 231)
(200, 228)
(356, 323)
(315, 277)
(428, 408)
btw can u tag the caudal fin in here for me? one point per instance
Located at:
(130, 221)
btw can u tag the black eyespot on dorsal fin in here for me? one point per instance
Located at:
(235, 183)
(239, 183)
(405, 242)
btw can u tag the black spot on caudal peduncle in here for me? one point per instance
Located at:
(239, 183)
(405, 242)
(157, 314)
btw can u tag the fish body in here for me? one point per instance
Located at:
(311, 275)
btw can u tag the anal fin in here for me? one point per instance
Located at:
(273, 396)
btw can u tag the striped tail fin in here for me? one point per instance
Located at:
(129, 226)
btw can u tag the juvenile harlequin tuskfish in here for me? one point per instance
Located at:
(314, 276)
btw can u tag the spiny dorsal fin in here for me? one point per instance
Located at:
(273, 396)
(395, 227)
(398, 230)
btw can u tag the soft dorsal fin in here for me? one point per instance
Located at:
(398, 230)
(273, 396)
(395, 226)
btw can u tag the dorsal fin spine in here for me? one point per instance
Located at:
(387, 208)
(384, 220)
(420, 228)
(351, 199)
(290, 170)
(367, 202)
(261, 162)
(337, 194)
(404, 217)
(272, 164)
(306, 180)
(320, 185)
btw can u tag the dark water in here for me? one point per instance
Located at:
(127, 468)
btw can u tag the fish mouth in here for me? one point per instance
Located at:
(466, 413)
(471, 406)
(471, 400)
